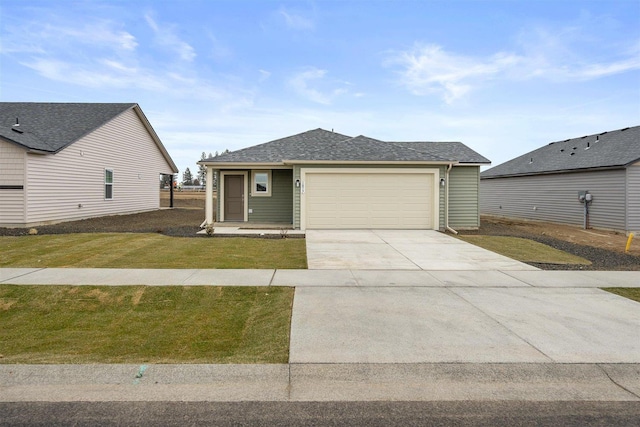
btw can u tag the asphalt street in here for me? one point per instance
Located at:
(371, 414)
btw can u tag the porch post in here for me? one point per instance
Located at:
(171, 192)
(208, 207)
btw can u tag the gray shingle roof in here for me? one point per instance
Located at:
(50, 127)
(322, 145)
(613, 149)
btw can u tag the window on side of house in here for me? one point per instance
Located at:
(108, 184)
(261, 183)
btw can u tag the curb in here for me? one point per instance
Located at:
(321, 382)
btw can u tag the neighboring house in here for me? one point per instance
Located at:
(544, 184)
(70, 161)
(321, 179)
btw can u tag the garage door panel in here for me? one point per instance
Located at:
(369, 200)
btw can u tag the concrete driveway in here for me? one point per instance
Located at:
(463, 325)
(399, 250)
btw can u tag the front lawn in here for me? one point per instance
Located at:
(138, 250)
(144, 324)
(524, 250)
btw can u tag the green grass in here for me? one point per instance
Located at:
(144, 324)
(631, 293)
(137, 250)
(524, 250)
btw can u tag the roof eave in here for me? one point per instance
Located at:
(559, 171)
(369, 162)
(473, 163)
(155, 137)
(235, 165)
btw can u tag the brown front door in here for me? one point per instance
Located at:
(234, 198)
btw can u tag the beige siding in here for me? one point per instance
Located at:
(296, 193)
(70, 184)
(12, 161)
(359, 199)
(464, 209)
(633, 198)
(555, 198)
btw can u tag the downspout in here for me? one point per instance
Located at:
(446, 200)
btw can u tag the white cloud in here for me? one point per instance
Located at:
(101, 54)
(166, 37)
(429, 69)
(303, 83)
(38, 38)
(296, 21)
(264, 75)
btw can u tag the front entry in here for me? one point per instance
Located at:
(234, 198)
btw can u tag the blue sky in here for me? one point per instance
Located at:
(504, 77)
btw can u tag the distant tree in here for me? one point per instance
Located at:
(196, 182)
(165, 182)
(202, 169)
(187, 178)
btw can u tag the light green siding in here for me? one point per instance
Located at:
(464, 185)
(279, 206)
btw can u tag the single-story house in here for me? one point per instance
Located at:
(70, 161)
(545, 184)
(322, 179)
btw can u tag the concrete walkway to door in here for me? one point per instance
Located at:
(399, 250)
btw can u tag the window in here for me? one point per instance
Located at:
(261, 183)
(108, 184)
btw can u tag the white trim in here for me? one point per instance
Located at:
(246, 193)
(433, 171)
(253, 183)
(208, 204)
(105, 183)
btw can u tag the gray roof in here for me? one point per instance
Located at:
(614, 149)
(50, 127)
(323, 145)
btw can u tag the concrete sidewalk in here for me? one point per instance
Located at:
(322, 278)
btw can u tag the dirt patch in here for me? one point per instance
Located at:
(183, 199)
(605, 249)
(182, 221)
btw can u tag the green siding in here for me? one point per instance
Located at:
(464, 185)
(279, 206)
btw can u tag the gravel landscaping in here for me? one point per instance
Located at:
(601, 258)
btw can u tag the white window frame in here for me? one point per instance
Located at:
(254, 191)
(108, 184)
